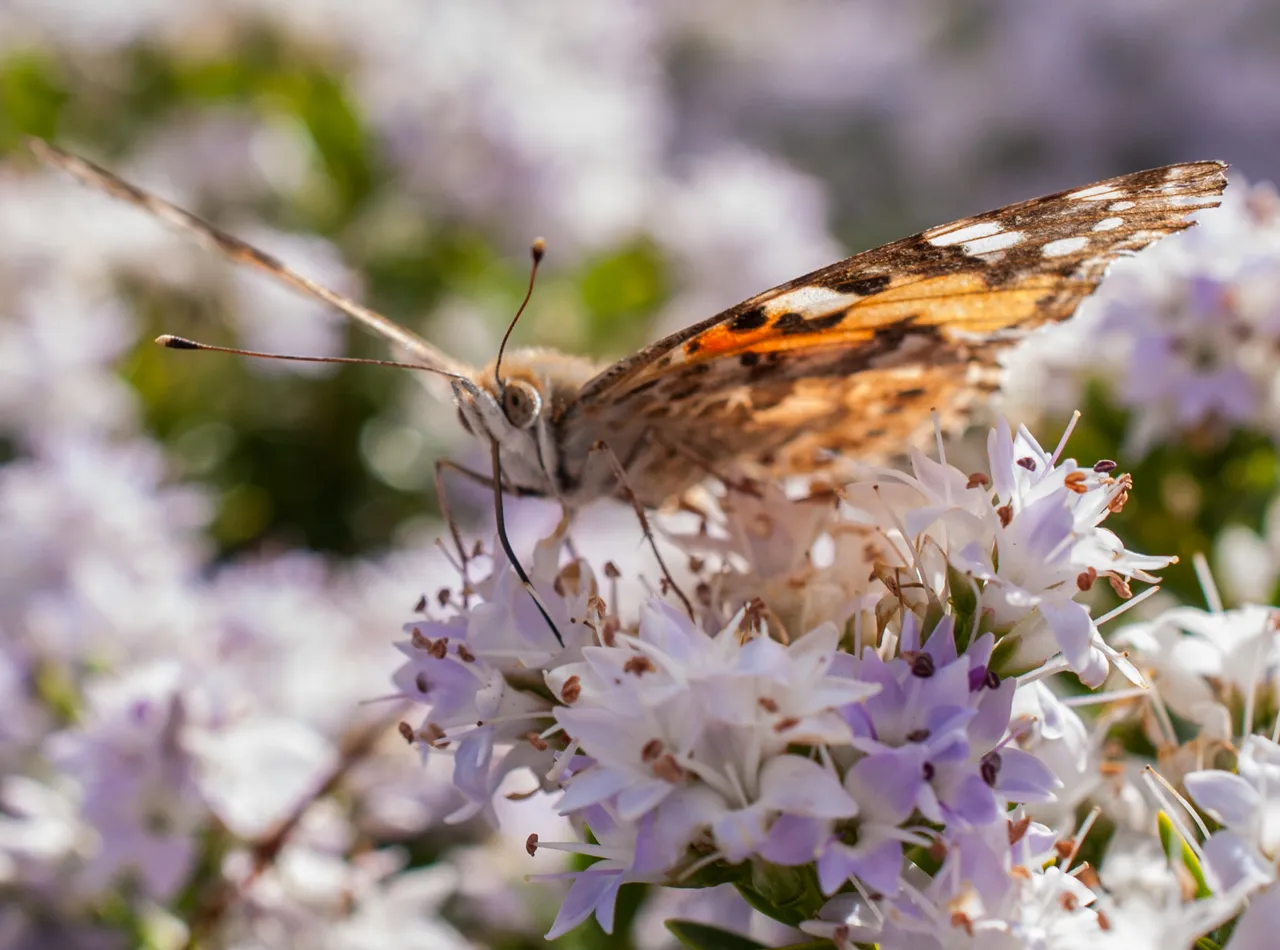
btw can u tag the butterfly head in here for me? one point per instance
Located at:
(521, 402)
(519, 410)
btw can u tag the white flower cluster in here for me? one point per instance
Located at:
(835, 726)
(162, 722)
(853, 728)
(165, 716)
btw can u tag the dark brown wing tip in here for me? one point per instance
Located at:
(1208, 178)
(1193, 186)
(1212, 172)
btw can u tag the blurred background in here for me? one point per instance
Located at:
(271, 525)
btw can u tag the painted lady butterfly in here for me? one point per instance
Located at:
(849, 360)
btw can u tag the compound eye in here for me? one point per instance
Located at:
(521, 403)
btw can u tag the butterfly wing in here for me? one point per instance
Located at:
(98, 178)
(853, 358)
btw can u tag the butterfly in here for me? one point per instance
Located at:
(854, 359)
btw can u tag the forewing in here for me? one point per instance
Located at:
(97, 177)
(852, 358)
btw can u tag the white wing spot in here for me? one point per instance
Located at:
(996, 242)
(1108, 224)
(1120, 205)
(1094, 193)
(1064, 246)
(941, 237)
(809, 300)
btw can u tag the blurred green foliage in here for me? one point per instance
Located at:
(1184, 493)
(283, 453)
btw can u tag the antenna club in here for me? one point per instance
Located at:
(176, 342)
(537, 249)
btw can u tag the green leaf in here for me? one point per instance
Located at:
(1179, 852)
(785, 894)
(698, 936)
(713, 875)
(964, 601)
(1002, 656)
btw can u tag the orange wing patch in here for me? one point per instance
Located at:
(854, 357)
(1007, 270)
(961, 304)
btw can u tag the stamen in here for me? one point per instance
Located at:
(1055, 665)
(556, 774)
(1110, 696)
(1258, 669)
(1126, 606)
(698, 865)
(1205, 576)
(1163, 718)
(1066, 434)
(1162, 789)
(1085, 827)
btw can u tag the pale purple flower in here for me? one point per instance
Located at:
(321, 891)
(1055, 734)
(944, 714)
(675, 706)
(989, 892)
(400, 912)
(623, 850)
(460, 668)
(138, 782)
(1246, 804)
(1049, 546)
(42, 836)
(1206, 662)
(721, 906)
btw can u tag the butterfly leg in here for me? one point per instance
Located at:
(442, 499)
(620, 474)
(658, 437)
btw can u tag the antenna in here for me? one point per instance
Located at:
(538, 249)
(172, 342)
(506, 543)
(98, 178)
